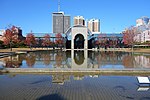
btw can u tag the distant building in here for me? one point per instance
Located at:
(139, 22)
(142, 21)
(2, 31)
(61, 22)
(94, 25)
(143, 37)
(17, 32)
(79, 20)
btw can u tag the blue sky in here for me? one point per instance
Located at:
(36, 15)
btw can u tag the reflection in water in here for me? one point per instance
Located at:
(12, 61)
(30, 59)
(77, 59)
(58, 59)
(70, 87)
(60, 78)
(46, 59)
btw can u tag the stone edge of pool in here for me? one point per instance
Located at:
(75, 71)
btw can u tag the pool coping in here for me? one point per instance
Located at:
(75, 71)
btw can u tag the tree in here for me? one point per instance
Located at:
(113, 42)
(59, 40)
(46, 41)
(12, 36)
(101, 40)
(1, 44)
(129, 36)
(58, 59)
(30, 60)
(46, 58)
(8, 38)
(30, 40)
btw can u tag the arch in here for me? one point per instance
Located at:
(79, 41)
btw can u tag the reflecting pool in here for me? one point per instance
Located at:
(77, 59)
(71, 87)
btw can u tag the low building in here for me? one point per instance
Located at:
(143, 37)
(78, 37)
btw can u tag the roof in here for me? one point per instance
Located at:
(43, 34)
(108, 35)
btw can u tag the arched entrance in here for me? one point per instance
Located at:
(79, 41)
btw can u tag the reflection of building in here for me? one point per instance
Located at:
(61, 22)
(94, 25)
(109, 59)
(78, 77)
(143, 61)
(79, 59)
(60, 79)
(79, 20)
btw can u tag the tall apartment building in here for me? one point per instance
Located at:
(61, 22)
(142, 21)
(2, 31)
(79, 20)
(94, 25)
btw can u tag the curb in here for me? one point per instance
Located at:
(75, 71)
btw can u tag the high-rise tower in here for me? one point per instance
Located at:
(142, 21)
(79, 20)
(94, 25)
(61, 22)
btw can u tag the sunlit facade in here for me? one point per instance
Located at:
(61, 22)
(94, 25)
(142, 21)
(143, 36)
(79, 20)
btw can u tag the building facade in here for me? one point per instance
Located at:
(78, 37)
(142, 21)
(79, 20)
(143, 36)
(94, 25)
(61, 22)
(2, 31)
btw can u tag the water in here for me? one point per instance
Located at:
(82, 86)
(71, 87)
(78, 59)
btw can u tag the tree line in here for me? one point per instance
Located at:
(12, 38)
